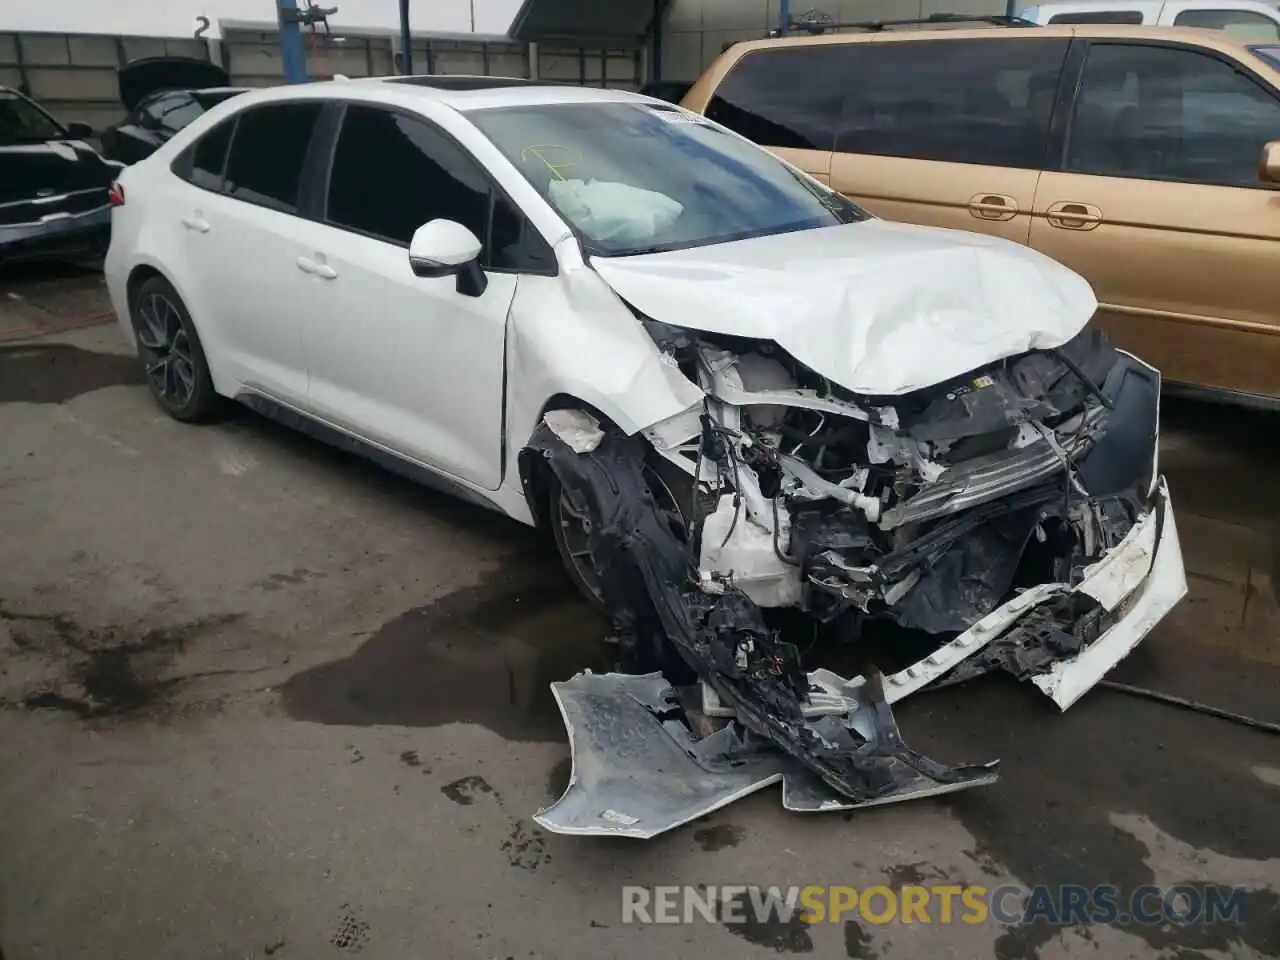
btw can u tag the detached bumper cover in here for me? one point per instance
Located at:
(638, 772)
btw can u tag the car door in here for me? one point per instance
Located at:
(245, 236)
(1158, 203)
(949, 132)
(408, 363)
(786, 99)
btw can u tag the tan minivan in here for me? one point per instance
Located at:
(1146, 158)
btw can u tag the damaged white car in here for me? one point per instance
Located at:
(725, 390)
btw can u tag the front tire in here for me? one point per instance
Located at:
(172, 357)
(571, 530)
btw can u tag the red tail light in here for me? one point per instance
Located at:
(116, 195)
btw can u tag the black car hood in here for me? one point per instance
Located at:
(143, 77)
(37, 170)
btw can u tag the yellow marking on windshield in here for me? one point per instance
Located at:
(538, 150)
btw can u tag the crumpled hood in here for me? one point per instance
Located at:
(877, 307)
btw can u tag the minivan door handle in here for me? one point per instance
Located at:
(993, 206)
(196, 223)
(322, 270)
(1071, 215)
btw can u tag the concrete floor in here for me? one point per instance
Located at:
(262, 699)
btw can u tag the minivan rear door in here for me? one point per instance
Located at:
(948, 131)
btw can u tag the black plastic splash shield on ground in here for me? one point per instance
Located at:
(646, 577)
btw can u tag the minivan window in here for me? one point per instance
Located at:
(1164, 113)
(1244, 25)
(209, 156)
(788, 97)
(393, 173)
(268, 152)
(1099, 16)
(963, 101)
(633, 178)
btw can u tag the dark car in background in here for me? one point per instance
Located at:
(54, 187)
(162, 95)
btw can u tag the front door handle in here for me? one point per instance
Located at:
(1071, 215)
(196, 223)
(322, 270)
(993, 206)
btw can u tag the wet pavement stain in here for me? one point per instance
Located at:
(525, 846)
(857, 942)
(718, 837)
(781, 936)
(57, 372)
(115, 676)
(558, 778)
(912, 875)
(1062, 776)
(484, 655)
(465, 790)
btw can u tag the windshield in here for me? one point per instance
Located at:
(21, 121)
(639, 178)
(1270, 54)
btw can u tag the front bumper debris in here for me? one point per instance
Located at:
(638, 772)
(1016, 515)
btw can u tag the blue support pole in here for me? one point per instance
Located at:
(293, 56)
(406, 41)
(784, 17)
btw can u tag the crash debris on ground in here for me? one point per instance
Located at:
(1013, 514)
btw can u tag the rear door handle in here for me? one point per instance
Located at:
(993, 206)
(1072, 215)
(196, 223)
(322, 270)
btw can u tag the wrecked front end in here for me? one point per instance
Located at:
(1008, 519)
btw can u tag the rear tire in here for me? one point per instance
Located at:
(172, 357)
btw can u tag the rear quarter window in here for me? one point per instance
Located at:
(785, 97)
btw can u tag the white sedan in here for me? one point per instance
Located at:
(723, 387)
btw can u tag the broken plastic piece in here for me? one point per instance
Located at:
(578, 429)
(638, 772)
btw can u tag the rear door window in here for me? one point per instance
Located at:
(1247, 26)
(268, 153)
(963, 101)
(786, 97)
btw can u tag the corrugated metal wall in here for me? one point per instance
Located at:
(74, 77)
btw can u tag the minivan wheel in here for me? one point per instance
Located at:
(172, 358)
(571, 529)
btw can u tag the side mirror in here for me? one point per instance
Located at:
(1269, 166)
(79, 130)
(443, 248)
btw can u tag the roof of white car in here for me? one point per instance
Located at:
(461, 93)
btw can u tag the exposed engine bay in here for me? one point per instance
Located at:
(1012, 515)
